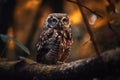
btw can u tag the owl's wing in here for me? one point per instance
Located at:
(65, 55)
(42, 45)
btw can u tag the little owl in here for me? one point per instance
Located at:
(55, 40)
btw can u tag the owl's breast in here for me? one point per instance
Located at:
(65, 43)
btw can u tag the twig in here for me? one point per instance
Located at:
(86, 8)
(91, 11)
(72, 1)
(87, 24)
(85, 42)
(110, 27)
(111, 7)
(89, 30)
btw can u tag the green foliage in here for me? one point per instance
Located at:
(6, 38)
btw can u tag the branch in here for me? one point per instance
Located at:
(86, 69)
(89, 30)
(86, 8)
(87, 24)
(115, 33)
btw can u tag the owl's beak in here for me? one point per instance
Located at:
(59, 25)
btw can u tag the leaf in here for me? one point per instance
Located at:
(22, 58)
(18, 43)
(28, 60)
(6, 38)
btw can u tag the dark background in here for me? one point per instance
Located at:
(24, 19)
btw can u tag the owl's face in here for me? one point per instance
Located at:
(58, 21)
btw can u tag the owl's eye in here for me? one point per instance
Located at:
(65, 20)
(52, 22)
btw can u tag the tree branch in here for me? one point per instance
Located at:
(86, 69)
(87, 24)
(89, 29)
(79, 4)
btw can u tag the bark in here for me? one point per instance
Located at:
(105, 68)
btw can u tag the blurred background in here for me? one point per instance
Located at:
(24, 20)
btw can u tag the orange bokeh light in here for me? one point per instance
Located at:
(32, 4)
(76, 17)
(10, 43)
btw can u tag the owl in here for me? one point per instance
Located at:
(55, 40)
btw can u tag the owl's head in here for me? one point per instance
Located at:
(57, 21)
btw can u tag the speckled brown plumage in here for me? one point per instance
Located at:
(55, 40)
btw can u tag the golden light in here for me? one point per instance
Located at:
(76, 17)
(100, 23)
(46, 12)
(32, 4)
(106, 2)
(86, 48)
(20, 35)
(10, 43)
